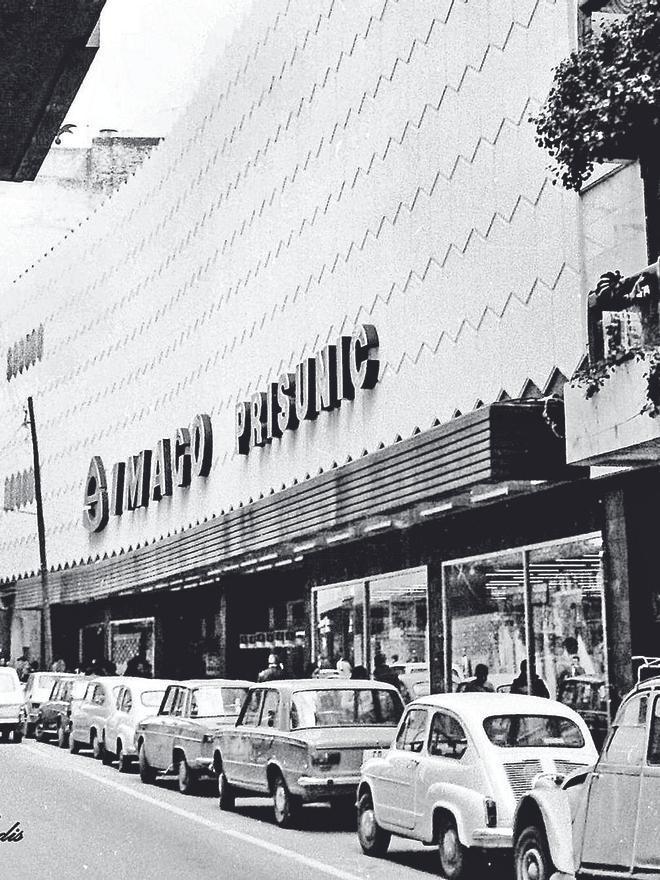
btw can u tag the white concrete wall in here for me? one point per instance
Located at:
(353, 162)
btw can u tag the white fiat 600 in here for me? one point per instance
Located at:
(457, 768)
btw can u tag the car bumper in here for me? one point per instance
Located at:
(326, 787)
(493, 838)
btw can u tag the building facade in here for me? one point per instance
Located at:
(298, 384)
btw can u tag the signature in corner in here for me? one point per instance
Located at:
(13, 834)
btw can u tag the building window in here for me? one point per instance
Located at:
(594, 15)
(358, 620)
(486, 613)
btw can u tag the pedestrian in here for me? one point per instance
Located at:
(480, 683)
(383, 672)
(58, 666)
(519, 684)
(360, 673)
(344, 668)
(22, 664)
(138, 666)
(274, 670)
(569, 663)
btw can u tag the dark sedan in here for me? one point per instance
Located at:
(54, 713)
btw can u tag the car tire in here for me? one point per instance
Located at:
(123, 763)
(374, 840)
(187, 778)
(452, 854)
(5, 734)
(18, 736)
(147, 772)
(226, 792)
(28, 730)
(531, 856)
(74, 745)
(286, 807)
(106, 756)
(97, 746)
(62, 737)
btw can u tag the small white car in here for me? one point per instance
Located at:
(12, 705)
(604, 821)
(458, 766)
(136, 699)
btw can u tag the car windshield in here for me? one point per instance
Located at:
(210, 701)
(345, 708)
(8, 684)
(44, 683)
(533, 731)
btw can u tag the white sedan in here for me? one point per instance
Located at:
(457, 768)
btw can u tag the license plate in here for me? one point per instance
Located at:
(371, 753)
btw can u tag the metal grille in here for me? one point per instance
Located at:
(520, 775)
(567, 767)
(124, 646)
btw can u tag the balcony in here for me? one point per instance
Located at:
(612, 409)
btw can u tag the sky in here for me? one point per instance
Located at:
(152, 55)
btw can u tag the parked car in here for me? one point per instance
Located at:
(415, 677)
(137, 699)
(457, 767)
(304, 740)
(587, 694)
(12, 705)
(603, 821)
(52, 715)
(89, 716)
(179, 738)
(37, 689)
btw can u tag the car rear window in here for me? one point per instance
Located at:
(8, 684)
(152, 699)
(210, 701)
(345, 708)
(533, 731)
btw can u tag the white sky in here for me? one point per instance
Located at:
(152, 56)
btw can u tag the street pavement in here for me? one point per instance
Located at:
(80, 819)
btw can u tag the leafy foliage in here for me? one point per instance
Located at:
(604, 103)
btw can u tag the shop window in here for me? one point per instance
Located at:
(412, 733)
(398, 617)
(486, 624)
(567, 605)
(339, 613)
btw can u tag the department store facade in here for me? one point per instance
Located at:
(301, 387)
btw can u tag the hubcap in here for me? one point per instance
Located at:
(368, 824)
(532, 865)
(280, 799)
(450, 847)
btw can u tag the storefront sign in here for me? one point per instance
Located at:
(148, 476)
(319, 383)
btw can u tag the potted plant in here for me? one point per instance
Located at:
(604, 105)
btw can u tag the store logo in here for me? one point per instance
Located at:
(148, 476)
(318, 383)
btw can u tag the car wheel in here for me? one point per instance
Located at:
(123, 764)
(5, 736)
(39, 732)
(452, 853)
(74, 745)
(285, 805)
(18, 736)
(62, 736)
(226, 793)
(106, 756)
(147, 772)
(28, 730)
(374, 840)
(97, 746)
(187, 777)
(531, 857)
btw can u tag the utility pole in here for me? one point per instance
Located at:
(46, 632)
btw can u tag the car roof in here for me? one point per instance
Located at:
(146, 684)
(214, 682)
(329, 684)
(478, 706)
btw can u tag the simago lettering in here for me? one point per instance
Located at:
(318, 383)
(148, 476)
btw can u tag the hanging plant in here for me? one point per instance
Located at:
(604, 104)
